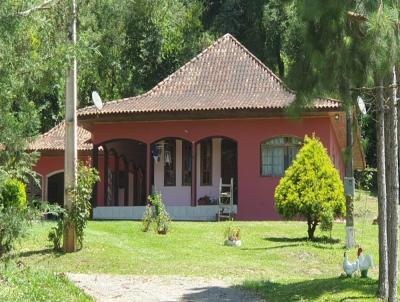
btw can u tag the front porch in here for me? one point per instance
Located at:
(130, 170)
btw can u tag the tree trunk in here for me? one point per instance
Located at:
(349, 180)
(393, 197)
(383, 257)
(312, 225)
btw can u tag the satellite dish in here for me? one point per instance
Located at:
(97, 100)
(361, 105)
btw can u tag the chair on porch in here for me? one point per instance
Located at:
(225, 201)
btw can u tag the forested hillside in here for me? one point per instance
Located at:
(125, 47)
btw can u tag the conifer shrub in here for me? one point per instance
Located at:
(311, 188)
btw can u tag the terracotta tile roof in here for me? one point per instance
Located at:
(224, 76)
(53, 140)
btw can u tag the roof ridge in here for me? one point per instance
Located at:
(182, 68)
(259, 62)
(53, 129)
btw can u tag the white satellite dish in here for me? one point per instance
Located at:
(361, 105)
(97, 100)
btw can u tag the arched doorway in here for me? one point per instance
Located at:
(216, 159)
(123, 172)
(171, 167)
(55, 188)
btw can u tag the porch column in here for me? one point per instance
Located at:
(116, 184)
(126, 184)
(106, 201)
(194, 172)
(95, 164)
(148, 170)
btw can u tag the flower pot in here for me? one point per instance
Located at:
(229, 242)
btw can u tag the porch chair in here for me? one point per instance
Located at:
(225, 201)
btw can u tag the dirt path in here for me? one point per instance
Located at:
(159, 288)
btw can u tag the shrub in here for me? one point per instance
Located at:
(156, 214)
(147, 218)
(311, 188)
(14, 223)
(79, 213)
(13, 194)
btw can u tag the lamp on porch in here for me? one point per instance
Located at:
(155, 151)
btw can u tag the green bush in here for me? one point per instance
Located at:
(13, 194)
(156, 214)
(311, 188)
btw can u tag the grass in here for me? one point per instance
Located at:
(31, 284)
(275, 258)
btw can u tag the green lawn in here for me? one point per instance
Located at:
(22, 284)
(275, 258)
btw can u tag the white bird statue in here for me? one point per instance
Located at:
(365, 263)
(348, 267)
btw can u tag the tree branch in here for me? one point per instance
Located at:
(45, 5)
(391, 86)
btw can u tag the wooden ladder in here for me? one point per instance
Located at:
(225, 201)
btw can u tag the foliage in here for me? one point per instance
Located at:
(79, 213)
(311, 188)
(13, 194)
(14, 215)
(20, 283)
(156, 214)
(14, 223)
(232, 232)
(367, 179)
(147, 218)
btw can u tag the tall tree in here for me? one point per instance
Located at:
(393, 195)
(331, 62)
(382, 218)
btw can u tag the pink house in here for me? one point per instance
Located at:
(220, 116)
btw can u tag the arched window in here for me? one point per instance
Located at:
(277, 154)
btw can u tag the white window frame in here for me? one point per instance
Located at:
(272, 145)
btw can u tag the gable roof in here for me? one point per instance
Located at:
(53, 140)
(225, 76)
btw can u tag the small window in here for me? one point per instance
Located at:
(169, 163)
(277, 154)
(186, 163)
(206, 162)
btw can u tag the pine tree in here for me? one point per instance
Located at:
(311, 188)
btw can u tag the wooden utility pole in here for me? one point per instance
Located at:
(349, 185)
(71, 156)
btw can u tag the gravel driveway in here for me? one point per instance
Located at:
(159, 288)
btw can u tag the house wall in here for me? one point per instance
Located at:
(48, 165)
(255, 192)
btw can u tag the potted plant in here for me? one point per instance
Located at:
(232, 236)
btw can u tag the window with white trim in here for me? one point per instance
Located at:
(277, 154)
